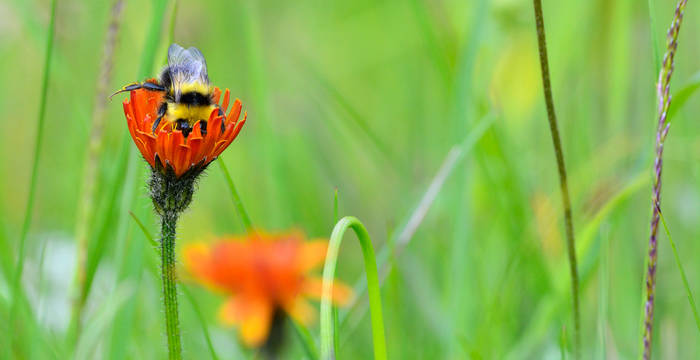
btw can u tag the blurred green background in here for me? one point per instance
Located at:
(367, 97)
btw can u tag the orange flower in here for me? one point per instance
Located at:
(262, 273)
(169, 148)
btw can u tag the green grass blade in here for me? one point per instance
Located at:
(306, 340)
(691, 300)
(39, 137)
(683, 95)
(200, 318)
(375, 300)
(245, 219)
(336, 326)
(141, 226)
(17, 293)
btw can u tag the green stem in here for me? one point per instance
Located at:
(375, 301)
(247, 224)
(169, 277)
(564, 186)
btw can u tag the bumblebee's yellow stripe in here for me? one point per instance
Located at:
(195, 87)
(190, 113)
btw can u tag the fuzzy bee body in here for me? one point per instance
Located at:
(188, 94)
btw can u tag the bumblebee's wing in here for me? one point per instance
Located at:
(187, 65)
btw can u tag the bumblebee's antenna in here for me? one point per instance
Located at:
(136, 85)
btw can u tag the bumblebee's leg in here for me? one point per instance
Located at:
(184, 126)
(152, 87)
(203, 127)
(155, 124)
(221, 113)
(136, 85)
(161, 112)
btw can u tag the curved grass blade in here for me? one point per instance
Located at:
(336, 326)
(375, 300)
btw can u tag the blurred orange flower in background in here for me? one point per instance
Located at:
(262, 274)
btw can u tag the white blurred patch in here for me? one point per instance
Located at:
(47, 279)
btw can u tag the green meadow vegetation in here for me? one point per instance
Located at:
(421, 126)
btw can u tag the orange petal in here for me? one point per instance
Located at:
(252, 314)
(340, 294)
(300, 310)
(197, 259)
(312, 254)
(224, 104)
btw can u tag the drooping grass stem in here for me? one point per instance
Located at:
(664, 103)
(564, 186)
(375, 301)
(169, 279)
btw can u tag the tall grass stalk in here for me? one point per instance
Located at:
(664, 102)
(86, 204)
(375, 301)
(563, 182)
(17, 278)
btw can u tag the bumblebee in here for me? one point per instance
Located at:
(188, 94)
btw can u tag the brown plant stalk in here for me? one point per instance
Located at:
(564, 186)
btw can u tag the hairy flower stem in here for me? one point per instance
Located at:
(169, 278)
(664, 103)
(564, 186)
(171, 195)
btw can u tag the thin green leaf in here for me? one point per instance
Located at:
(245, 219)
(202, 321)
(683, 95)
(691, 300)
(306, 340)
(141, 226)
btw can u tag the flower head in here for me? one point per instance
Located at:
(262, 274)
(167, 148)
